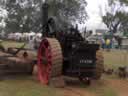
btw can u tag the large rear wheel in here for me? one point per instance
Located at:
(50, 60)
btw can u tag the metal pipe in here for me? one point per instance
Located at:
(44, 19)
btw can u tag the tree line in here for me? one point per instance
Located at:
(116, 18)
(25, 15)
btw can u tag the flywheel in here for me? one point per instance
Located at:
(50, 60)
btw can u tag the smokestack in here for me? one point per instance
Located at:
(44, 18)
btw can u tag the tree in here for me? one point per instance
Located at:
(25, 16)
(124, 23)
(20, 17)
(125, 2)
(114, 22)
(116, 18)
(68, 11)
(3, 16)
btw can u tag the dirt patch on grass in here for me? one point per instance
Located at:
(75, 88)
(104, 87)
(121, 86)
(69, 91)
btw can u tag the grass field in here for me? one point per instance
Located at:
(112, 59)
(7, 44)
(26, 86)
(23, 86)
(115, 58)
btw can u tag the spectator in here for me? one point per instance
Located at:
(119, 41)
(113, 43)
(103, 43)
(108, 43)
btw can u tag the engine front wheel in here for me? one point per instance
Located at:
(99, 65)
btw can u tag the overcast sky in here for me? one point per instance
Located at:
(95, 9)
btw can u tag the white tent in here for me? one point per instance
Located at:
(32, 34)
(25, 36)
(17, 36)
(11, 36)
(39, 35)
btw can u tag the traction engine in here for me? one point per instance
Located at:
(66, 53)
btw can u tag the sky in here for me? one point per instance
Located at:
(95, 9)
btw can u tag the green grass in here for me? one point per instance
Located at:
(7, 44)
(25, 87)
(108, 91)
(115, 58)
(101, 88)
(28, 87)
(112, 59)
(14, 44)
(104, 91)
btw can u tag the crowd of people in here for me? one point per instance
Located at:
(111, 43)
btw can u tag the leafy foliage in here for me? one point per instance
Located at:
(114, 22)
(124, 2)
(116, 19)
(25, 16)
(20, 16)
(124, 23)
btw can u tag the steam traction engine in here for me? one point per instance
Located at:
(60, 53)
(66, 53)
